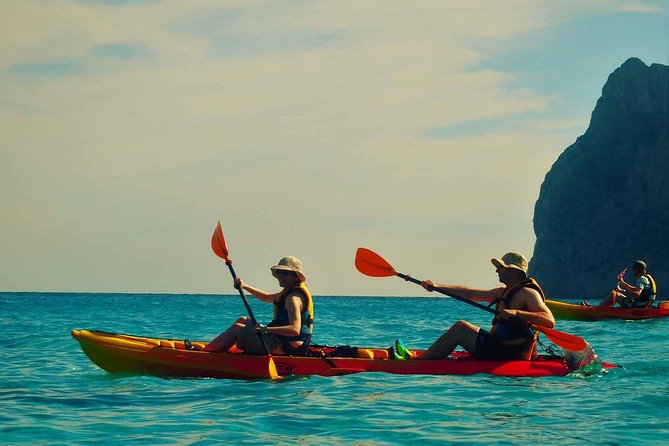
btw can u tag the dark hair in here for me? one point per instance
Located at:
(639, 265)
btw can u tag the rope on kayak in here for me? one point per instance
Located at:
(585, 361)
(317, 350)
(551, 349)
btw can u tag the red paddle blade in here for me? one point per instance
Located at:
(564, 340)
(371, 264)
(218, 243)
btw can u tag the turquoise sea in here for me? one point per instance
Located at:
(50, 393)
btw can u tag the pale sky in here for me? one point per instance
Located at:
(421, 130)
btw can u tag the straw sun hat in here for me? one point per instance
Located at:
(289, 263)
(511, 260)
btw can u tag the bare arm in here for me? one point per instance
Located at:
(626, 287)
(529, 306)
(630, 289)
(474, 294)
(257, 292)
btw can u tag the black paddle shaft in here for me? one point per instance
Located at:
(248, 307)
(454, 296)
(461, 299)
(241, 294)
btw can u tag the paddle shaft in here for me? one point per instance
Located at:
(248, 307)
(454, 296)
(241, 294)
(551, 334)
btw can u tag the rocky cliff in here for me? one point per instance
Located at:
(605, 201)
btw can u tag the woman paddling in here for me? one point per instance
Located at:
(290, 331)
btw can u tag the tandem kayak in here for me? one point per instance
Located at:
(120, 353)
(576, 312)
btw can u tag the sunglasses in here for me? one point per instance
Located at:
(283, 272)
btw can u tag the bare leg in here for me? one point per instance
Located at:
(609, 301)
(461, 333)
(227, 339)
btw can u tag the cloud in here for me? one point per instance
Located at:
(115, 2)
(643, 8)
(308, 126)
(119, 51)
(48, 68)
(96, 60)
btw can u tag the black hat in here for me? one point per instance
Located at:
(640, 264)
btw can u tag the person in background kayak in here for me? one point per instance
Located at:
(520, 300)
(290, 331)
(640, 294)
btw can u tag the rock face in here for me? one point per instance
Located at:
(605, 201)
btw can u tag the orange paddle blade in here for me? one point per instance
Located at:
(218, 243)
(565, 340)
(371, 264)
(271, 367)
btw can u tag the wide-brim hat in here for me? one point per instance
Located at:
(289, 263)
(512, 260)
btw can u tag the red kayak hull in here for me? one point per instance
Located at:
(566, 311)
(118, 353)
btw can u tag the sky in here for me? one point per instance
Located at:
(420, 130)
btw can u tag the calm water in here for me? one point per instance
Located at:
(50, 393)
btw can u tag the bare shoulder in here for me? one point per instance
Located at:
(294, 299)
(530, 298)
(274, 297)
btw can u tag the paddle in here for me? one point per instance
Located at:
(614, 292)
(621, 278)
(372, 264)
(221, 249)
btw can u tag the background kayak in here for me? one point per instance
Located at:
(577, 312)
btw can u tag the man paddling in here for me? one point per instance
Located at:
(520, 300)
(640, 294)
(290, 331)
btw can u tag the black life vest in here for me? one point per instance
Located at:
(307, 314)
(514, 330)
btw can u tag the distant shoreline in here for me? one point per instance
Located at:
(232, 296)
(109, 293)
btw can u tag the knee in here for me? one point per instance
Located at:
(460, 325)
(455, 328)
(463, 327)
(242, 321)
(238, 325)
